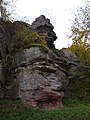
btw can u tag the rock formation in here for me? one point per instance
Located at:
(78, 76)
(44, 28)
(41, 79)
(30, 66)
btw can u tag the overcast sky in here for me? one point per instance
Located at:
(60, 13)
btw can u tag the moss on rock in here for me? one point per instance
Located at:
(25, 37)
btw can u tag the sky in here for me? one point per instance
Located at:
(60, 12)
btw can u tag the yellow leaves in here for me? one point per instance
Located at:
(80, 34)
(81, 52)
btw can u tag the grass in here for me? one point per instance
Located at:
(74, 109)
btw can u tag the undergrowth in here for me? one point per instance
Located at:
(80, 85)
(74, 109)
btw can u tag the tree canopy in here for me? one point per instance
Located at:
(80, 33)
(5, 13)
(81, 25)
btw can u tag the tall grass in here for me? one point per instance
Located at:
(74, 109)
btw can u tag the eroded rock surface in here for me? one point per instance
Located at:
(32, 69)
(44, 28)
(2, 80)
(41, 79)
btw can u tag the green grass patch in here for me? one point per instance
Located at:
(74, 109)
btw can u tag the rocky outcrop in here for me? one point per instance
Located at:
(2, 81)
(41, 79)
(78, 76)
(72, 62)
(8, 83)
(30, 66)
(44, 28)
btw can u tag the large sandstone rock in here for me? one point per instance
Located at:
(44, 28)
(34, 72)
(41, 79)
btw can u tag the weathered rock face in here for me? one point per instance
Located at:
(44, 28)
(72, 62)
(8, 84)
(78, 76)
(2, 80)
(41, 79)
(32, 70)
(5, 38)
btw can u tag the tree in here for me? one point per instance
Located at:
(80, 33)
(4, 4)
(3, 10)
(81, 26)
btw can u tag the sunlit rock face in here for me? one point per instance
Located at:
(44, 28)
(41, 79)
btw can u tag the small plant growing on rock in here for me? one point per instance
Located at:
(25, 37)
